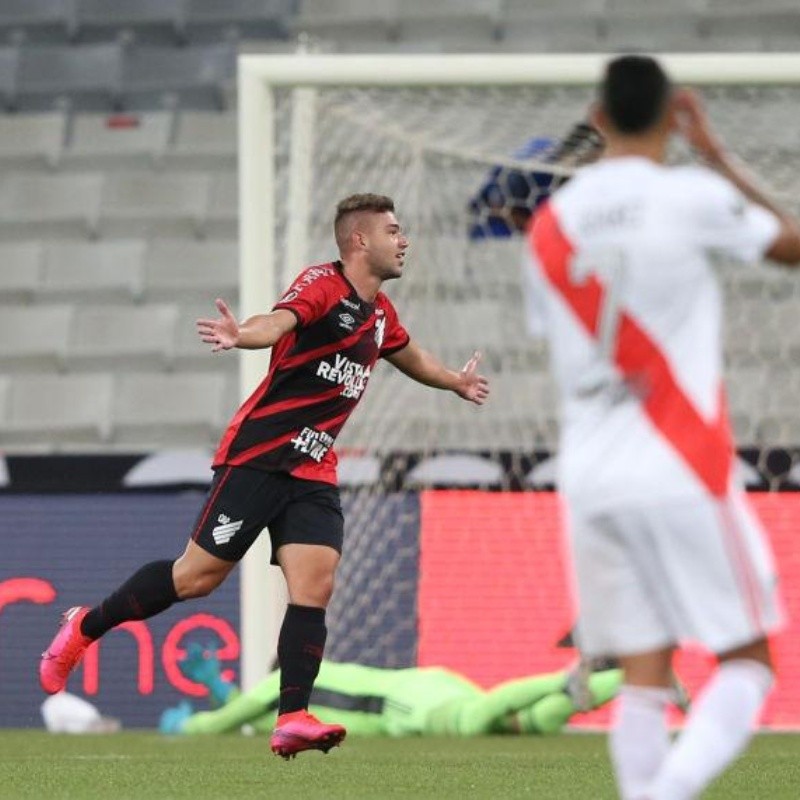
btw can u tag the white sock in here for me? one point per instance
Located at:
(717, 730)
(639, 741)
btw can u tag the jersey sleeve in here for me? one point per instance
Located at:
(311, 296)
(727, 221)
(395, 336)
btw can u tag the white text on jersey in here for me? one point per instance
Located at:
(351, 374)
(313, 443)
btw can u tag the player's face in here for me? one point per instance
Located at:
(386, 246)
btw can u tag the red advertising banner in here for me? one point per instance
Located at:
(494, 594)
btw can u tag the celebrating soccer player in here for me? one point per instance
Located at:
(665, 547)
(275, 467)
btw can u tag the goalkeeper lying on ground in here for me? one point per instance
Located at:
(404, 702)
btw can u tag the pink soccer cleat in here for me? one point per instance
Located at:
(299, 730)
(65, 651)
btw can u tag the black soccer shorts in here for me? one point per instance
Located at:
(243, 501)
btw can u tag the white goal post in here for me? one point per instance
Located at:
(259, 78)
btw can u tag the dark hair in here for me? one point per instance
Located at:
(634, 93)
(356, 203)
(377, 203)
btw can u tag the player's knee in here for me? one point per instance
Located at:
(320, 594)
(316, 592)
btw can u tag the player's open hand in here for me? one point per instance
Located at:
(472, 386)
(222, 333)
(695, 125)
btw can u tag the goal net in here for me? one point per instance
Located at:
(466, 160)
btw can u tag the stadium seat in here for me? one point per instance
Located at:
(222, 220)
(205, 139)
(34, 337)
(744, 19)
(457, 23)
(139, 203)
(348, 19)
(32, 140)
(93, 271)
(551, 25)
(57, 410)
(168, 468)
(182, 269)
(775, 42)
(522, 34)
(206, 20)
(90, 75)
(37, 20)
(122, 337)
(5, 390)
(670, 30)
(456, 470)
(157, 411)
(9, 59)
(654, 8)
(21, 269)
(49, 205)
(195, 75)
(189, 352)
(550, 9)
(543, 474)
(118, 141)
(151, 21)
(231, 396)
(358, 471)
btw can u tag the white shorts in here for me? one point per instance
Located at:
(650, 577)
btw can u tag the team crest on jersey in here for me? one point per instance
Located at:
(380, 330)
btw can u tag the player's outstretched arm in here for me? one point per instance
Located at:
(256, 332)
(696, 128)
(425, 368)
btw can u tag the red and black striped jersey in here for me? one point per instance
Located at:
(317, 375)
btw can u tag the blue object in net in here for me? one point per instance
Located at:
(506, 191)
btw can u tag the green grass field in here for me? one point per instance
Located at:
(125, 766)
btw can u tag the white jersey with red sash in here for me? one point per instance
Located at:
(620, 260)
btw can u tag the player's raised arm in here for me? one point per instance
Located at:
(258, 331)
(696, 128)
(425, 368)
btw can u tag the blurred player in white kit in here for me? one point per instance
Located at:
(665, 547)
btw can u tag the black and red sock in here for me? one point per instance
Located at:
(148, 592)
(301, 644)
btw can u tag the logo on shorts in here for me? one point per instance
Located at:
(226, 529)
